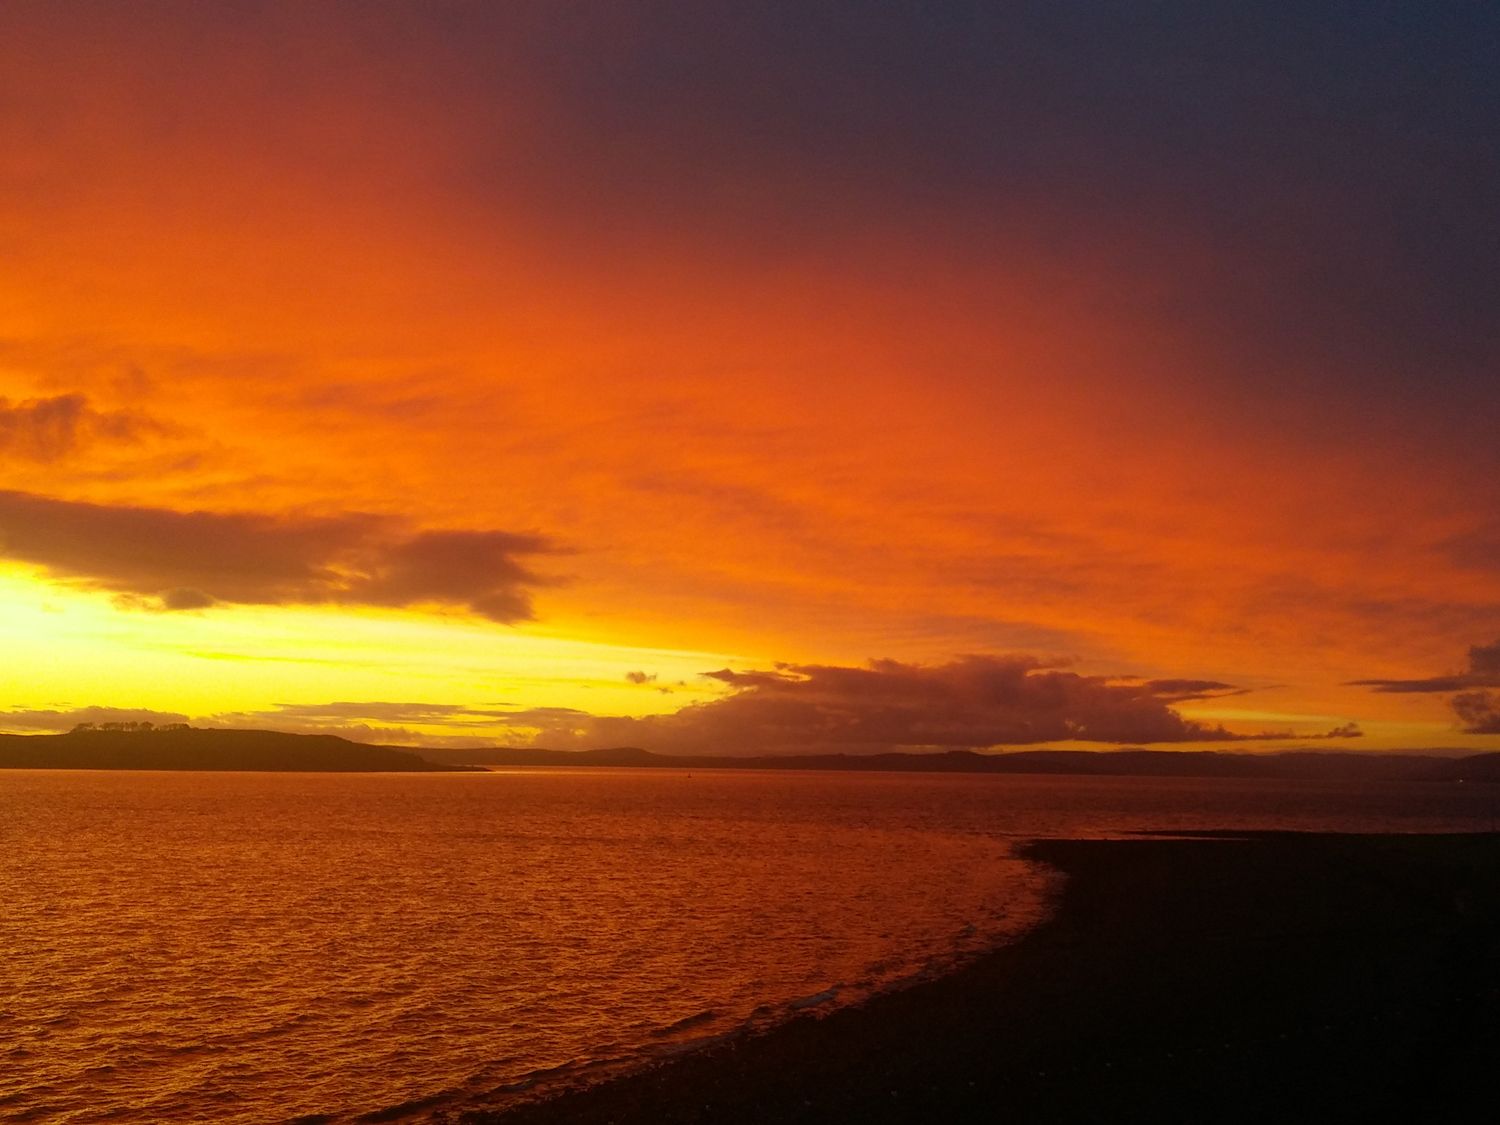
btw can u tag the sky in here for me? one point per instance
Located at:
(752, 377)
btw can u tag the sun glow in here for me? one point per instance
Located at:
(84, 647)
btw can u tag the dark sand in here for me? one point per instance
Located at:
(1275, 978)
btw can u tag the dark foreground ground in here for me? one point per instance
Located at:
(1279, 978)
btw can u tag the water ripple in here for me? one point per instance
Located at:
(326, 949)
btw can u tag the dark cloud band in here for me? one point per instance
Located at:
(190, 560)
(1477, 707)
(975, 702)
(1483, 671)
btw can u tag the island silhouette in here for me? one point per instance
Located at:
(140, 746)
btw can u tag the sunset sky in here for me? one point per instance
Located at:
(745, 376)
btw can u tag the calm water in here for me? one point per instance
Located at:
(261, 947)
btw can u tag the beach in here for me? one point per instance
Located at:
(1246, 977)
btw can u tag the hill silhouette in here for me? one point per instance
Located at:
(189, 748)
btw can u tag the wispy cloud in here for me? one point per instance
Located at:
(446, 714)
(50, 429)
(371, 722)
(399, 723)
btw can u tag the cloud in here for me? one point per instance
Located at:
(640, 677)
(447, 714)
(65, 720)
(1183, 691)
(185, 597)
(190, 560)
(374, 734)
(49, 429)
(1483, 672)
(976, 702)
(1477, 709)
(1345, 730)
(372, 722)
(394, 723)
(973, 702)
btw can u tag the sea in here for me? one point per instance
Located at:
(330, 948)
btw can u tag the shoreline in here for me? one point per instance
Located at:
(1235, 976)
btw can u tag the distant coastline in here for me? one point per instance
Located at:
(194, 748)
(189, 748)
(1132, 762)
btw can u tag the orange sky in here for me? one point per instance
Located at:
(712, 374)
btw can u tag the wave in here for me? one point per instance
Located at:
(686, 1023)
(407, 1108)
(814, 1000)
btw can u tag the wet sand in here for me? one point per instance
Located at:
(1263, 978)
